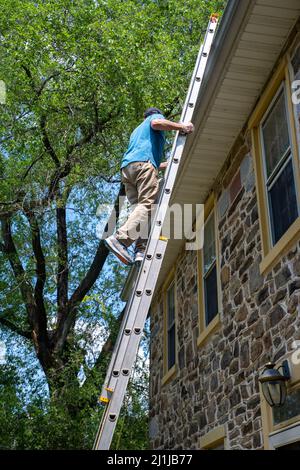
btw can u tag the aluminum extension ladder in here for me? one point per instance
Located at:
(126, 347)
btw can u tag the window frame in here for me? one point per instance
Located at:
(213, 439)
(271, 253)
(169, 374)
(205, 331)
(281, 165)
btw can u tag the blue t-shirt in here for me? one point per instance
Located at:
(145, 143)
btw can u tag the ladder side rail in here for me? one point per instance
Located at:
(114, 353)
(103, 440)
(178, 145)
(126, 360)
(195, 85)
(192, 93)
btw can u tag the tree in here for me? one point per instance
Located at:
(78, 77)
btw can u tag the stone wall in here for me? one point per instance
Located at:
(218, 383)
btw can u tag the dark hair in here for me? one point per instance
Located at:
(150, 111)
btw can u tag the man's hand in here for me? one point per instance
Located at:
(165, 125)
(163, 166)
(187, 128)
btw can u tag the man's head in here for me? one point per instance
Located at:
(150, 111)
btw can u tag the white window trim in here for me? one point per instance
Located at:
(289, 435)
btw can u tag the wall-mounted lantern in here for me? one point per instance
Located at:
(273, 383)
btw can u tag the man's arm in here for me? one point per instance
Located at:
(163, 166)
(165, 125)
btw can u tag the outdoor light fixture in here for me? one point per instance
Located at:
(273, 383)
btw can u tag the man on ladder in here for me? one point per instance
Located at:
(139, 173)
(145, 149)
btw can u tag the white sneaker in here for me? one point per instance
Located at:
(118, 249)
(138, 256)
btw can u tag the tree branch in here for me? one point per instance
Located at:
(61, 171)
(68, 320)
(98, 126)
(40, 269)
(36, 314)
(31, 165)
(62, 266)
(98, 261)
(47, 143)
(30, 77)
(16, 329)
(8, 247)
(44, 83)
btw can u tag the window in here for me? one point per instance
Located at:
(208, 275)
(210, 271)
(274, 143)
(170, 341)
(289, 410)
(279, 172)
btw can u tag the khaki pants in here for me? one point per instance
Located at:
(141, 186)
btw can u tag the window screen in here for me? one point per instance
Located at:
(280, 181)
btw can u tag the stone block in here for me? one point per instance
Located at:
(153, 428)
(262, 295)
(282, 277)
(256, 350)
(236, 202)
(234, 367)
(247, 428)
(246, 266)
(236, 239)
(275, 316)
(226, 359)
(257, 441)
(225, 276)
(244, 357)
(254, 215)
(246, 166)
(279, 295)
(250, 182)
(258, 329)
(235, 397)
(294, 286)
(242, 313)
(223, 203)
